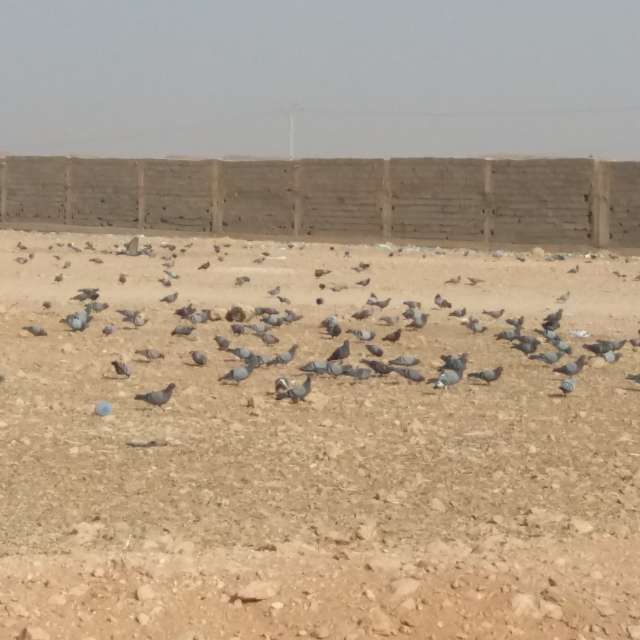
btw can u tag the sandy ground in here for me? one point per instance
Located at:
(374, 508)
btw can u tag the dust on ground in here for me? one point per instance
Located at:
(375, 508)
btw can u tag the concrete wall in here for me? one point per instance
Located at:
(569, 202)
(624, 204)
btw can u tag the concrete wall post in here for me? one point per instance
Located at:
(141, 198)
(298, 204)
(600, 199)
(386, 195)
(489, 204)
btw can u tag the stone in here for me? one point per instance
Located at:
(321, 631)
(144, 593)
(366, 531)
(258, 590)
(380, 623)
(404, 587)
(524, 604)
(86, 532)
(537, 252)
(581, 526)
(551, 610)
(142, 619)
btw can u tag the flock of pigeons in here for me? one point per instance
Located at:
(545, 344)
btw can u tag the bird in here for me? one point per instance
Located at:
(572, 368)
(239, 374)
(222, 342)
(459, 313)
(473, 324)
(321, 272)
(381, 304)
(457, 363)
(287, 356)
(495, 314)
(410, 374)
(363, 283)
(108, 329)
(342, 352)
(548, 357)
(334, 330)
(358, 373)
(374, 350)
(381, 368)
(204, 266)
(574, 269)
(157, 398)
(525, 346)
(182, 330)
(78, 321)
(150, 354)
(362, 334)
(441, 302)
(601, 347)
(562, 299)
(171, 298)
(363, 314)
(486, 375)
(36, 330)
(87, 294)
(447, 378)
(516, 323)
(394, 336)
(268, 338)
(134, 317)
(552, 320)
(567, 386)
(635, 377)
(299, 391)
(315, 366)
(198, 357)
(611, 357)
(508, 334)
(241, 352)
(418, 320)
(121, 368)
(405, 361)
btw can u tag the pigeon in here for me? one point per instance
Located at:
(157, 398)
(457, 363)
(441, 302)
(238, 374)
(241, 352)
(410, 374)
(150, 354)
(198, 357)
(171, 274)
(362, 334)
(36, 330)
(381, 304)
(601, 347)
(283, 300)
(171, 298)
(204, 266)
(358, 373)
(334, 330)
(321, 272)
(363, 314)
(526, 346)
(405, 361)
(635, 377)
(78, 321)
(561, 345)
(182, 330)
(165, 282)
(611, 357)
(299, 391)
(394, 336)
(552, 321)
(495, 314)
(374, 350)
(381, 368)
(562, 299)
(199, 317)
(418, 321)
(574, 269)
(548, 357)
(136, 318)
(447, 378)
(315, 366)
(108, 329)
(474, 325)
(517, 323)
(508, 334)
(567, 386)
(486, 375)
(342, 352)
(87, 294)
(121, 368)
(287, 356)
(96, 307)
(362, 266)
(185, 312)
(237, 328)
(281, 387)
(268, 338)
(291, 316)
(459, 313)
(572, 368)
(222, 342)
(241, 280)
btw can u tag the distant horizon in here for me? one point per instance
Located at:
(363, 79)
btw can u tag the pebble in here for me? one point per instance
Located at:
(581, 526)
(537, 252)
(404, 587)
(145, 592)
(551, 610)
(321, 632)
(381, 623)
(142, 619)
(103, 408)
(258, 590)
(524, 604)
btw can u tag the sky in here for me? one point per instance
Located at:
(358, 78)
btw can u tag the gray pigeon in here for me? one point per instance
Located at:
(363, 334)
(548, 357)
(87, 294)
(374, 350)
(457, 363)
(561, 345)
(238, 374)
(108, 329)
(268, 338)
(198, 357)
(486, 375)
(447, 378)
(526, 346)
(474, 325)
(601, 347)
(182, 330)
(300, 391)
(405, 361)
(121, 368)
(358, 373)
(157, 398)
(342, 352)
(315, 366)
(222, 342)
(241, 352)
(611, 357)
(381, 368)
(572, 368)
(171, 298)
(287, 356)
(78, 321)
(335, 368)
(410, 374)
(35, 330)
(150, 354)
(567, 386)
(363, 314)
(418, 321)
(508, 334)
(459, 313)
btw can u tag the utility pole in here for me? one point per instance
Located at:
(292, 132)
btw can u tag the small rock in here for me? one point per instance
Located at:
(380, 623)
(144, 593)
(383, 564)
(524, 604)
(581, 526)
(366, 531)
(142, 619)
(58, 600)
(321, 632)
(537, 252)
(404, 587)
(551, 610)
(258, 590)
(79, 590)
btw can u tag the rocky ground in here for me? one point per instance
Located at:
(374, 508)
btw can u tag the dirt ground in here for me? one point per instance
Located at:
(375, 508)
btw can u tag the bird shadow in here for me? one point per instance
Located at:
(633, 389)
(192, 364)
(556, 395)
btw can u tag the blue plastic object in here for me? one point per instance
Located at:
(103, 408)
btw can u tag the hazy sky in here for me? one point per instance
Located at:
(369, 77)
